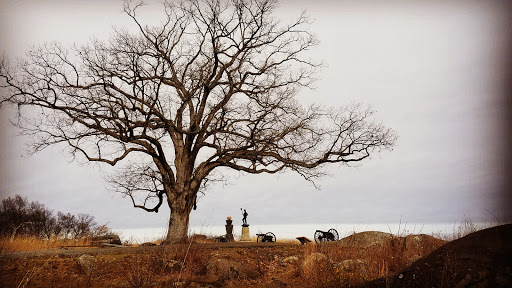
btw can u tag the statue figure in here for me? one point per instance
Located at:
(245, 227)
(244, 219)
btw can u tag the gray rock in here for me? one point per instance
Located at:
(313, 264)
(351, 265)
(106, 239)
(365, 239)
(228, 269)
(289, 260)
(86, 263)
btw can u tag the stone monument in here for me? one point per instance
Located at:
(229, 230)
(245, 227)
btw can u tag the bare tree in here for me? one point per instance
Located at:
(18, 216)
(83, 226)
(13, 212)
(213, 86)
(67, 223)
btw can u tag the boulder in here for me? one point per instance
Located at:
(351, 265)
(417, 246)
(226, 269)
(289, 260)
(106, 239)
(366, 239)
(423, 242)
(480, 259)
(314, 264)
(85, 263)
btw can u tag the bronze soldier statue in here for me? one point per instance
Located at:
(244, 219)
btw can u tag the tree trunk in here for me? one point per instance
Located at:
(178, 227)
(180, 199)
(181, 206)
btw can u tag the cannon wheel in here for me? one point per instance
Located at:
(270, 234)
(319, 236)
(335, 235)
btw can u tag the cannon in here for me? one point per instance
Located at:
(223, 238)
(322, 236)
(268, 237)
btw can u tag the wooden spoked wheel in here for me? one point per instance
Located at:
(270, 237)
(319, 236)
(333, 235)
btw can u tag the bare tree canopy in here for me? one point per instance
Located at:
(18, 216)
(213, 86)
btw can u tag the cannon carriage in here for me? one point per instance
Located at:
(323, 236)
(268, 237)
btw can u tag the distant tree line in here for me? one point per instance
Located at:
(18, 217)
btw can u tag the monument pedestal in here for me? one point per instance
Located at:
(229, 230)
(245, 234)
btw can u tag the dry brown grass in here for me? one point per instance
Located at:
(36, 243)
(164, 266)
(181, 265)
(353, 266)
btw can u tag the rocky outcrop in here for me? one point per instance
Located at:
(226, 269)
(412, 247)
(289, 260)
(351, 265)
(106, 239)
(85, 263)
(314, 264)
(365, 239)
(480, 259)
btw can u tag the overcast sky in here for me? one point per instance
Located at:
(433, 70)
